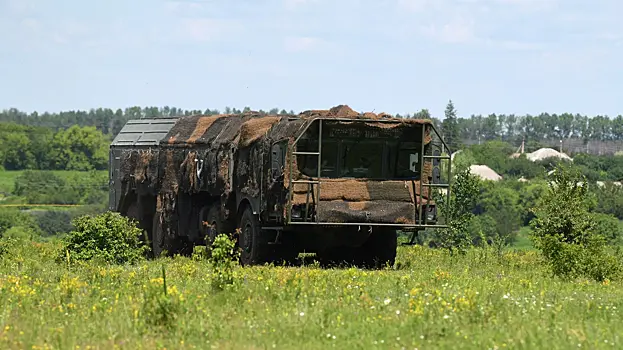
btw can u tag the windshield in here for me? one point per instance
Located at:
(362, 158)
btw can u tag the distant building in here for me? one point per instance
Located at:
(545, 153)
(484, 172)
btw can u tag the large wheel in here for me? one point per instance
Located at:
(381, 248)
(340, 257)
(134, 213)
(212, 225)
(157, 240)
(161, 241)
(286, 252)
(252, 242)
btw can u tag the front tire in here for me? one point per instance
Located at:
(211, 225)
(252, 242)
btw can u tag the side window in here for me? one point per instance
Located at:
(277, 160)
(414, 159)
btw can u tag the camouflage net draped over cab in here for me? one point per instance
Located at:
(362, 200)
(207, 153)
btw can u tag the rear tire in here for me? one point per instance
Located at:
(210, 225)
(161, 241)
(336, 257)
(286, 252)
(252, 242)
(381, 249)
(157, 240)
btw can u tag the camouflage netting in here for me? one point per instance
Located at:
(361, 200)
(377, 211)
(196, 155)
(140, 165)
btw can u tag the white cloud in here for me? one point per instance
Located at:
(207, 29)
(530, 5)
(295, 4)
(20, 7)
(459, 31)
(298, 44)
(182, 6)
(31, 24)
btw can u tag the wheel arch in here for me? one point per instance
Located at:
(245, 203)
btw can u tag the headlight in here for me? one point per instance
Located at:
(296, 213)
(431, 213)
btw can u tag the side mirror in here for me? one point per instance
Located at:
(277, 161)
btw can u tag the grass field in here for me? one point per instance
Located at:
(431, 300)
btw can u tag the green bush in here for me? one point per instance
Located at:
(565, 232)
(608, 227)
(109, 237)
(162, 305)
(45, 187)
(482, 228)
(223, 258)
(10, 218)
(52, 222)
(55, 222)
(459, 212)
(502, 203)
(20, 233)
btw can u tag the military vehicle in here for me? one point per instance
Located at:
(332, 182)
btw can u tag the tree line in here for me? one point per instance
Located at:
(508, 127)
(110, 121)
(78, 140)
(43, 148)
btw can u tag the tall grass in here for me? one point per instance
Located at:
(431, 300)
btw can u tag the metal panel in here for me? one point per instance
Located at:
(143, 132)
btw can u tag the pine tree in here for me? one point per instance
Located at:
(450, 128)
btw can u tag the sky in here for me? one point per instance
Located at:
(393, 56)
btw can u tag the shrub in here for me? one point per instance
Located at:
(607, 226)
(10, 218)
(482, 228)
(52, 222)
(565, 232)
(223, 258)
(162, 304)
(45, 187)
(20, 233)
(458, 212)
(501, 202)
(109, 237)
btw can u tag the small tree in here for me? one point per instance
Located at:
(223, 259)
(450, 127)
(459, 212)
(566, 233)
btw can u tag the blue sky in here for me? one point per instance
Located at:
(396, 56)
